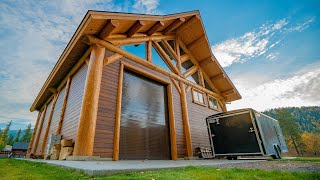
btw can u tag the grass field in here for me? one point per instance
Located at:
(19, 169)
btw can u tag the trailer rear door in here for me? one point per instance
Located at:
(233, 134)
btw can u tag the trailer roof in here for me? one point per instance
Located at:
(191, 31)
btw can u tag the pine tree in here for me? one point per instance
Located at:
(10, 140)
(290, 129)
(27, 134)
(17, 139)
(4, 136)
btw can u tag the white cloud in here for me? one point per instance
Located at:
(299, 90)
(33, 35)
(255, 43)
(146, 6)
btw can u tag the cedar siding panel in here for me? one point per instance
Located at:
(74, 103)
(37, 131)
(197, 121)
(57, 112)
(43, 129)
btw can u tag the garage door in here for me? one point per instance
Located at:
(144, 129)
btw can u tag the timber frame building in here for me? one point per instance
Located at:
(132, 86)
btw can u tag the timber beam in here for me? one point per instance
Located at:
(109, 28)
(155, 27)
(216, 77)
(174, 25)
(164, 55)
(89, 39)
(189, 23)
(172, 52)
(149, 51)
(112, 58)
(138, 40)
(228, 92)
(191, 71)
(176, 85)
(184, 58)
(196, 42)
(206, 61)
(135, 28)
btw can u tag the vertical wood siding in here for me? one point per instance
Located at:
(43, 130)
(36, 133)
(74, 103)
(197, 120)
(57, 112)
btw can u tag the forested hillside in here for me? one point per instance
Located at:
(308, 118)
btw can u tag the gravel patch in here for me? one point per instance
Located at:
(291, 166)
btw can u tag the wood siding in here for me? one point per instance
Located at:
(43, 129)
(74, 103)
(57, 112)
(197, 120)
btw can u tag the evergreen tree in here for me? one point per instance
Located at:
(27, 134)
(4, 136)
(17, 139)
(10, 140)
(290, 129)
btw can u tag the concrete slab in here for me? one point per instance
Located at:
(98, 168)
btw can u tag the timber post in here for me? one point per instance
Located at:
(185, 120)
(88, 115)
(33, 135)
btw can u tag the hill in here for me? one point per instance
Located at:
(307, 117)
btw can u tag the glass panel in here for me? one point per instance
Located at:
(157, 60)
(166, 50)
(137, 49)
(212, 102)
(200, 97)
(172, 44)
(194, 78)
(195, 96)
(186, 65)
(207, 86)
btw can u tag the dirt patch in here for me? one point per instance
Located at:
(292, 166)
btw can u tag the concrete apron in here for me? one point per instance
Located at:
(99, 168)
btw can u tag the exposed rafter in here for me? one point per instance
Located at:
(172, 52)
(191, 71)
(206, 61)
(109, 28)
(112, 58)
(190, 22)
(165, 57)
(196, 42)
(135, 28)
(219, 76)
(155, 27)
(228, 92)
(174, 25)
(184, 58)
(138, 40)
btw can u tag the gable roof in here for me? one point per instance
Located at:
(191, 32)
(20, 145)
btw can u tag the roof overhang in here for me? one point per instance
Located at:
(191, 33)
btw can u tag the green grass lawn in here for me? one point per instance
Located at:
(19, 169)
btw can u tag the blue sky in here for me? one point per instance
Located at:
(270, 49)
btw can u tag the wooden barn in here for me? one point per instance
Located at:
(132, 86)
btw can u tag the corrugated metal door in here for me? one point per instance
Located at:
(144, 129)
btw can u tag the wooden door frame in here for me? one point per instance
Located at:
(168, 85)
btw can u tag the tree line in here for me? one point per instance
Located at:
(300, 127)
(6, 139)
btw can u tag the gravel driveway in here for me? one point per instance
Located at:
(292, 166)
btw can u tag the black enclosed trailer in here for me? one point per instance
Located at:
(245, 132)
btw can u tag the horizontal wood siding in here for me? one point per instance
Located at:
(103, 143)
(43, 129)
(36, 133)
(197, 120)
(57, 112)
(74, 103)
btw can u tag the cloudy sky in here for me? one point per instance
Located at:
(270, 49)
